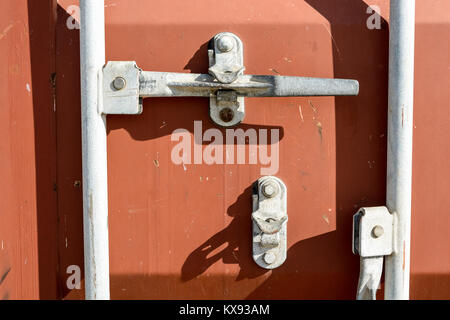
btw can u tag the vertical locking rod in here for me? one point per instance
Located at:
(399, 153)
(95, 193)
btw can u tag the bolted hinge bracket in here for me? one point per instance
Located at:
(226, 64)
(121, 85)
(373, 238)
(269, 222)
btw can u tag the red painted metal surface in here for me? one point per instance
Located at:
(185, 232)
(28, 216)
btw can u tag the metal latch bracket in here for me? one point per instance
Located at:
(226, 64)
(269, 222)
(124, 85)
(373, 232)
(121, 88)
(373, 238)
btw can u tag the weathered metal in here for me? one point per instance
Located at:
(225, 85)
(123, 100)
(165, 84)
(400, 143)
(373, 235)
(269, 222)
(396, 246)
(226, 64)
(93, 124)
(373, 232)
(332, 151)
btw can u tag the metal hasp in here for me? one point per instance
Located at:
(373, 231)
(124, 84)
(269, 222)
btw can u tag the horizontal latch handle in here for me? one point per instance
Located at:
(125, 85)
(167, 84)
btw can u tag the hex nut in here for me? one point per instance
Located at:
(270, 189)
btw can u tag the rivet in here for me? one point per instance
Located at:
(377, 231)
(119, 83)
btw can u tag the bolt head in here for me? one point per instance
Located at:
(119, 83)
(270, 189)
(226, 43)
(377, 231)
(270, 257)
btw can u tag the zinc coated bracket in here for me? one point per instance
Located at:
(226, 64)
(269, 222)
(373, 238)
(121, 87)
(124, 84)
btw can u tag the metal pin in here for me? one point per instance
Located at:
(377, 231)
(119, 83)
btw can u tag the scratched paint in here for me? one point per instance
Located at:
(170, 256)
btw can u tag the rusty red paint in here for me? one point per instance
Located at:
(185, 232)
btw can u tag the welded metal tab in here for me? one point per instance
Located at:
(373, 230)
(269, 222)
(121, 88)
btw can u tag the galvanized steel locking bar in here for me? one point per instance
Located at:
(165, 84)
(124, 84)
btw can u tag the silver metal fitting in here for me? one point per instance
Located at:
(373, 231)
(119, 83)
(226, 85)
(270, 189)
(377, 231)
(226, 64)
(225, 43)
(270, 257)
(121, 88)
(269, 222)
